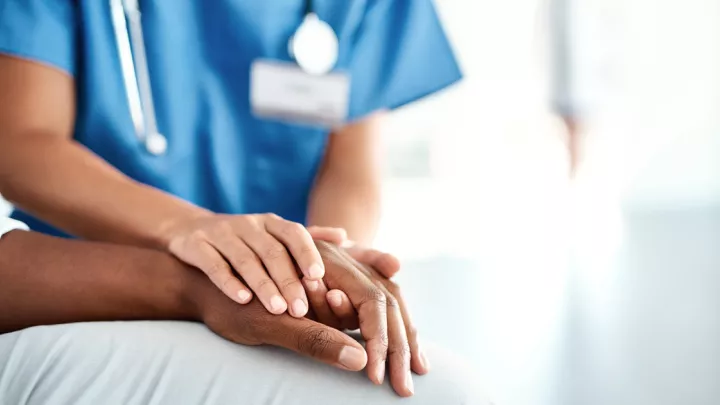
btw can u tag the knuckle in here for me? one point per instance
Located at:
(226, 283)
(224, 228)
(288, 282)
(199, 235)
(381, 340)
(392, 302)
(384, 340)
(271, 216)
(374, 297)
(244, 262)
(248, 221)
(314, 341)
(293, 229)
(399, 350)
(307, 248)
(274, 251)
(265, 284)
(217, 269)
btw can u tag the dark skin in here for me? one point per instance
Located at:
(46, 280)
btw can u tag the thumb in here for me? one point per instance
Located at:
(320, 342)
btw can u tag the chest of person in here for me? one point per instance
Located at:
(199, 58)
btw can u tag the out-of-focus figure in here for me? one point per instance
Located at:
(561, 79)
(582, 51)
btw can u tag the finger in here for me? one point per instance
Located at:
(203, 256)
(300, 244)
(311, 315)
(342, 309)
(418, 361)
(369, 302)
(281, 269)
(318, 341)
(398, 351)
(385, 263)
(248, 266)
(316, 291)
(335, 236)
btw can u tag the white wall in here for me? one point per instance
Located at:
(649, 73)
(662, 119)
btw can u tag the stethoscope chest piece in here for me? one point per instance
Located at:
(314, 46)
(156, 144)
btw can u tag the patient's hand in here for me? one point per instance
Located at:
(377, 306)
(252, 324)
(384, 263)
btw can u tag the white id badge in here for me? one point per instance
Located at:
(282, 91)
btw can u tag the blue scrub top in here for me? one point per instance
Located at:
(219, 155)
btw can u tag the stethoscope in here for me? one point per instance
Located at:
(314, 46)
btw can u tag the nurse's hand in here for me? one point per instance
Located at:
(262, 249)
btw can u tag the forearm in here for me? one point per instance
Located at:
(46, 280)
(353, 204)
(68, 186)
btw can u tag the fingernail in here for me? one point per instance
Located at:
(351, 358)
(316, 271)
(312, 285)
(299, 308)
(278, 304)
(409, 382)
(380, 373)
(424, 360)
(244, 296)
(335, 299)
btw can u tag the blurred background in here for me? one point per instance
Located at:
(596, 289)
(599, 287)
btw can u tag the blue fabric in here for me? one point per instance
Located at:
(199, 52)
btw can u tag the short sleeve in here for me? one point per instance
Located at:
(40, 30)
(9, 224)
(401, 54)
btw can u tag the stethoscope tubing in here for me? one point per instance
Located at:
(127, 24)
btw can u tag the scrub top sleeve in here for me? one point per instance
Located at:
(43, 31)
(401, 54)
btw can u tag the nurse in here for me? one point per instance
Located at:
(229, 133)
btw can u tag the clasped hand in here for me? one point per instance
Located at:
(368, 300)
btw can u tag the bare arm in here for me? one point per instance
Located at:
(43, 171)
(46, 280)
(347, 191)
(46, 173)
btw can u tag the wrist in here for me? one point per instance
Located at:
(195, 293)
(169, 228)
(190, 294)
